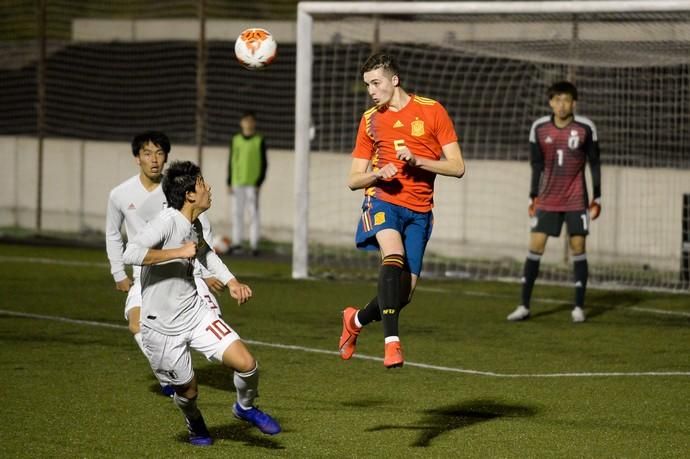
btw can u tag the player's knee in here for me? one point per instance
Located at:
(238, 357)
(245, 364)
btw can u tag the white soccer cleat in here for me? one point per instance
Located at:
(520, 313)
(578, 314)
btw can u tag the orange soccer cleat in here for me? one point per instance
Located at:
(393, 357)
(348, 338)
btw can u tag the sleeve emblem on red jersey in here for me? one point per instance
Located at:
(417, 128)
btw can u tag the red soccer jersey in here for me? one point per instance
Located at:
(558, 157)
(423, 126)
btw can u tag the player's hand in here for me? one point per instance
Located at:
(595, 209)
(123, 285)
(239, 291)
(406, 155)
(532, 209)
(386, 172)
(214, 284)
(188, 250)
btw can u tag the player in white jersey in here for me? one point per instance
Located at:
(175, 319)
(134, 202)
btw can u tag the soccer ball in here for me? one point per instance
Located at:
(221, 244)
(255, 48)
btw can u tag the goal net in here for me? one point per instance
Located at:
(489, 64)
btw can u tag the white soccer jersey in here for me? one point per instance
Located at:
(170, 302)
(135, 205)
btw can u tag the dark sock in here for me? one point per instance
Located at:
(529, 276)
(389, 293)
(370, 313)
(581, 270)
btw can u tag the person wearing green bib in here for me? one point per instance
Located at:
(247, 166)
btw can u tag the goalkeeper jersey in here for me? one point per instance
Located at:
(170, 302)
(558, 157)
(424, 127)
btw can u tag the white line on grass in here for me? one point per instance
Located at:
(377, 359)
(53, 261)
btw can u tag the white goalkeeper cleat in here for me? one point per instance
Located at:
(520, 313)
(578, 314)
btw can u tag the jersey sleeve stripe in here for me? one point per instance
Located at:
(535, 125)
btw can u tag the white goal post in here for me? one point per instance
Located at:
(308, 12)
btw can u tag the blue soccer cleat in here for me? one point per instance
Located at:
(258, 418)
(198, 433)
(168, 390)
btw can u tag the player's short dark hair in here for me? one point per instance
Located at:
(382, 61)
(179, 179)
(248, 114)
(157, 138)
(562, 87)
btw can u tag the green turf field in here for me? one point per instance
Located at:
(615, 386)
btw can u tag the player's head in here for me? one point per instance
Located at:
(248, 123)
(150, 150)
(562, 99)
(184, 184)
(381, 75)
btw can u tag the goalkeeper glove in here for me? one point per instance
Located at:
(595, 208)
(532, 209)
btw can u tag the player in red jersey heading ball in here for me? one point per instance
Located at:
(403, 142)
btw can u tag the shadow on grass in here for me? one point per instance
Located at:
(438, 421)
(239, 432)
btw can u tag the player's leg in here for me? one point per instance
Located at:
(545, 224)
(219, 342)
(578, 223)
(254, 221)
(185, 399)
(238, 203)
(377, 216)
(171, 362)
(133, 316)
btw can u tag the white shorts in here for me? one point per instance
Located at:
(207, 296)
(170, 356)
(134, 296)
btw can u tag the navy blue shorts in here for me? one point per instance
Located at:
(414, 227)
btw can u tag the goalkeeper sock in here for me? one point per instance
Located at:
(187, 406)
(389, 292)
(581, 270)
(529, 276)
